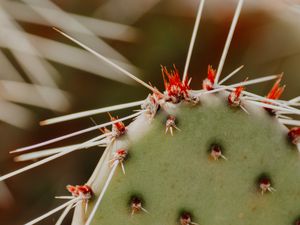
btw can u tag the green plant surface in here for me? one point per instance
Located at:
(172, 174)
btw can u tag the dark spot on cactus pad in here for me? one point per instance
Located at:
(216, 151)
(297, 221)
(186, 218)
(135, 197)
(265, 184)
(136, 204)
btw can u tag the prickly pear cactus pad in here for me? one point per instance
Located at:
(172, 174)
(218, 155)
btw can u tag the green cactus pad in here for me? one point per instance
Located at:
(172, 174)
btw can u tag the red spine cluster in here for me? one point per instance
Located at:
(234, 98)
(80, 191)
(174, 87)
(119, 127)
(208, 83)
(276, 90)
(274, 94)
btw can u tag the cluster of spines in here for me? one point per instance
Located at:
(80, 194)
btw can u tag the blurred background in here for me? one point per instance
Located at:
(44, 75)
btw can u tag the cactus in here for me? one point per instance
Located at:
(210, 156)
(256, 181)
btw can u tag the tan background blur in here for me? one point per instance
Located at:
(266, 41)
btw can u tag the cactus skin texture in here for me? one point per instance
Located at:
(175, 174)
